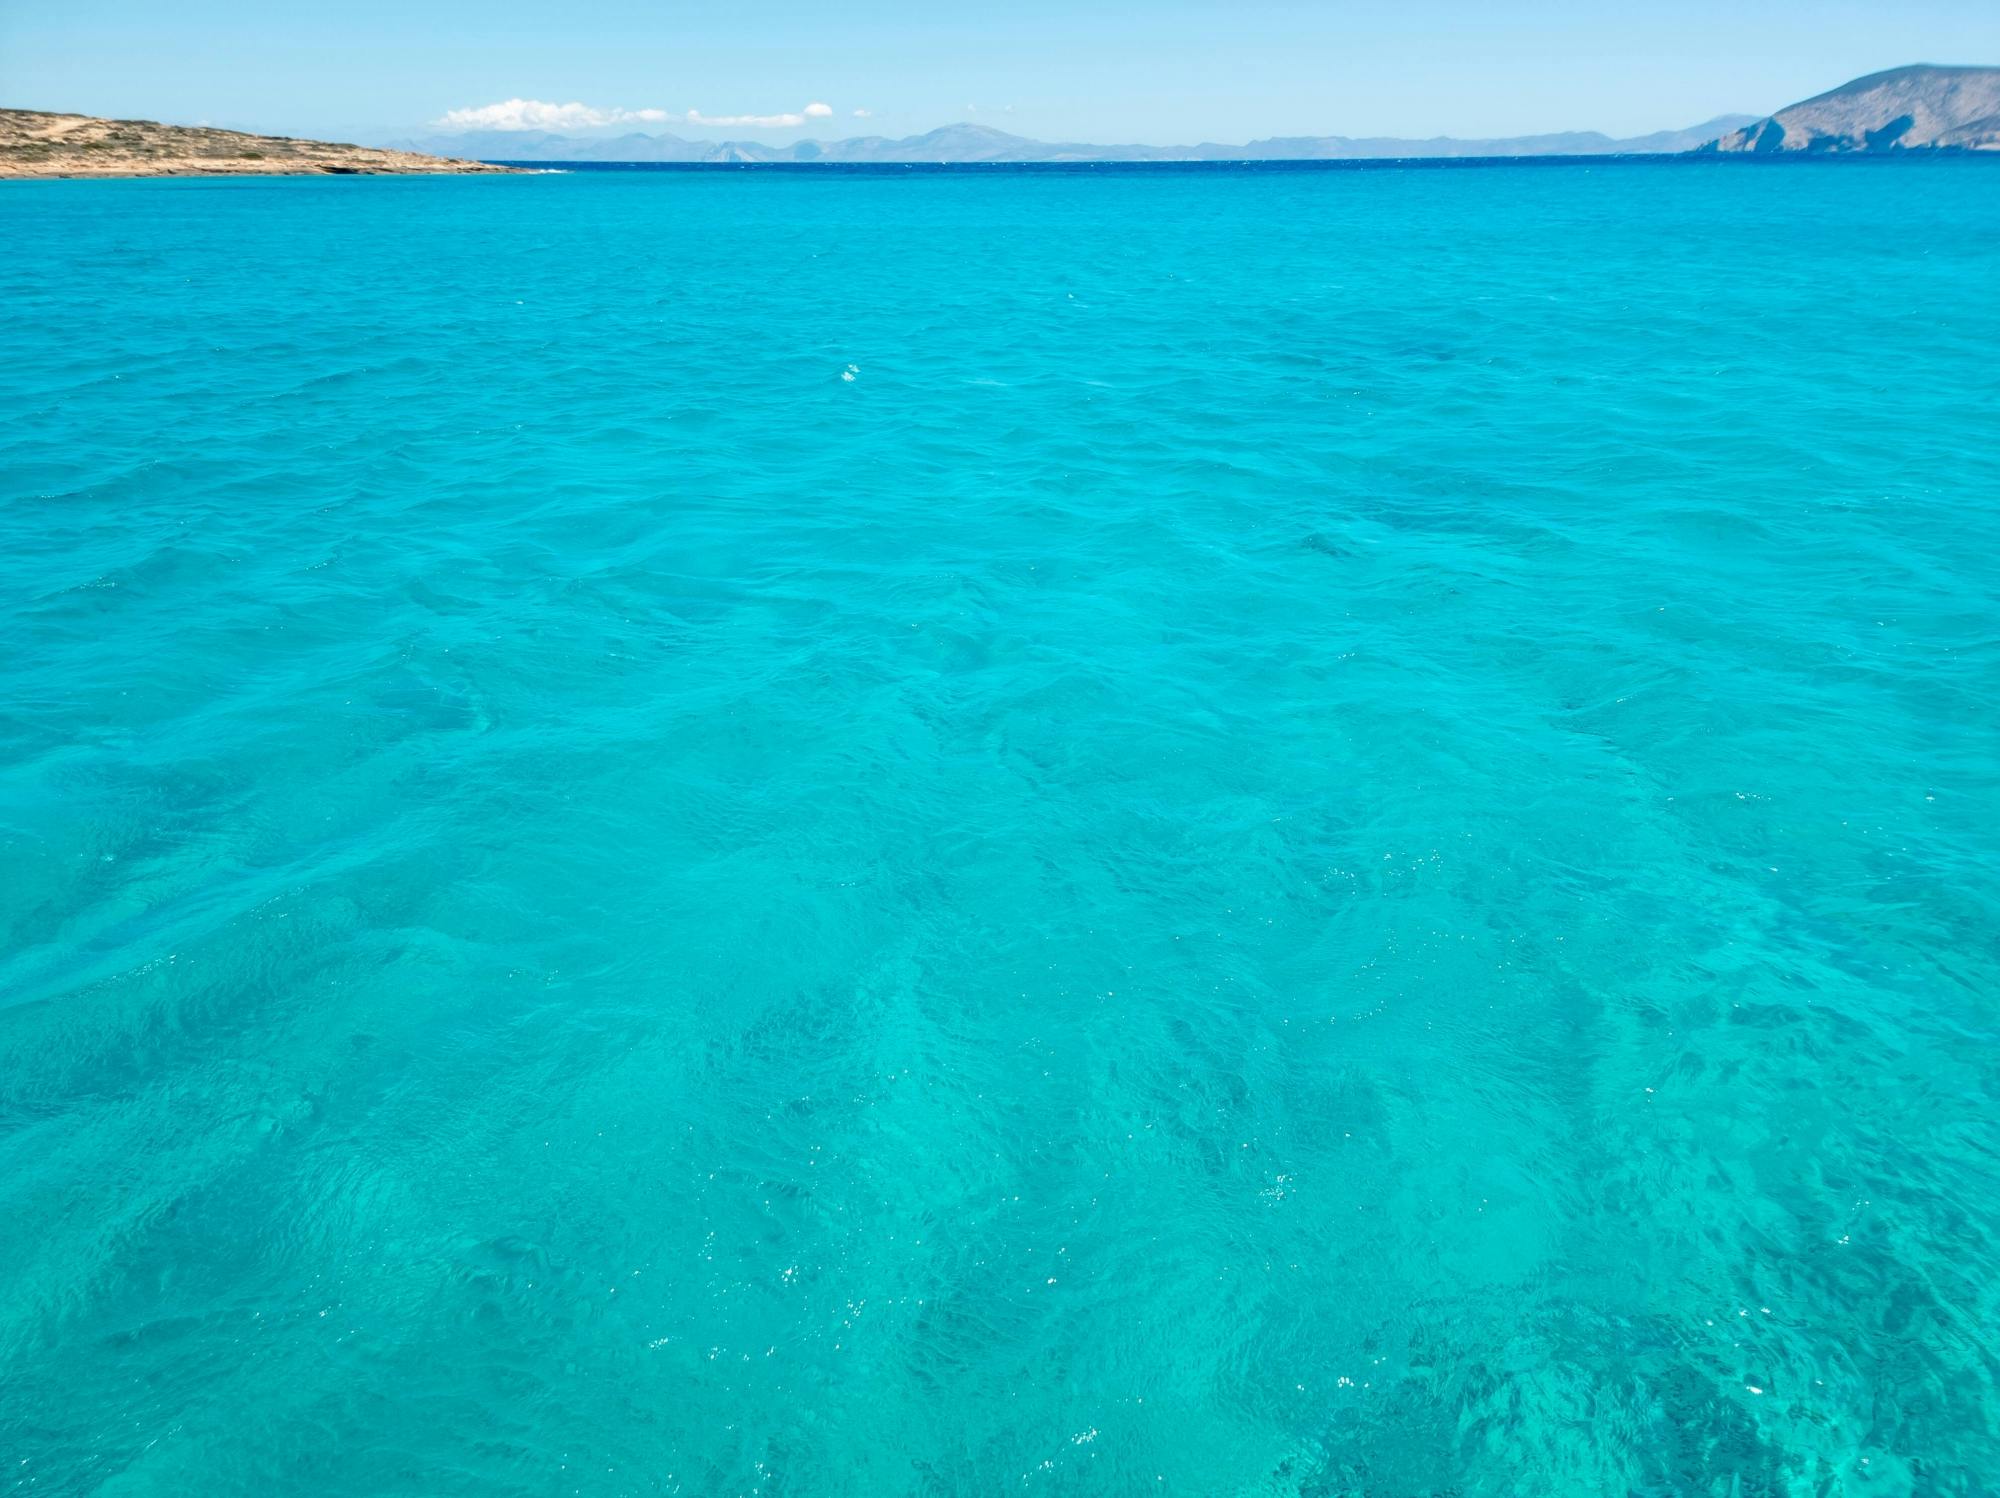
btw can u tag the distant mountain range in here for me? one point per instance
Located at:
(1915, 108)
(1923, 107)
(1912, 109)
(977, 143)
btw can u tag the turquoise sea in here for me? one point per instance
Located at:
(1233, 832)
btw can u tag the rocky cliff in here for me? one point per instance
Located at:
(1905, 109)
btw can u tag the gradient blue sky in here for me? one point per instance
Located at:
(1101, 70)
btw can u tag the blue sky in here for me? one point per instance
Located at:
(1099, 70)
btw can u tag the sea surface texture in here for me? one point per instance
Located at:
(1285, 833)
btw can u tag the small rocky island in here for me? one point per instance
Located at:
(34, 144)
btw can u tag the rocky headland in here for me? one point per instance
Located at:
(34, 144)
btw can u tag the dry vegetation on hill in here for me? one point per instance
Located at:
(33, 144)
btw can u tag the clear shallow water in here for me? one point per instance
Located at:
(1330, 834)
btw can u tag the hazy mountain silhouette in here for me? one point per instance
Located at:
(966, 142)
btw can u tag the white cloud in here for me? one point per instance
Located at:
(787, 121)
(538, 114)
(864, 114)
